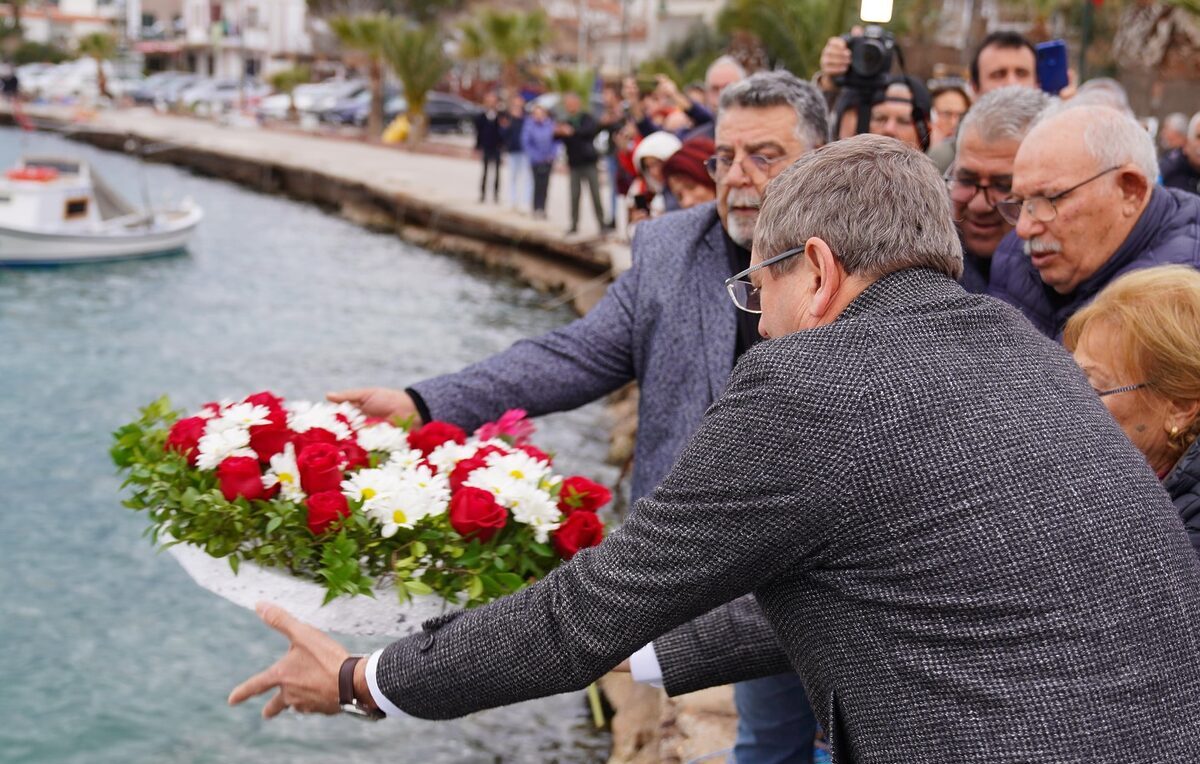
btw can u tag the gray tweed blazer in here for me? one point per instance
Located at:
(665, 322)
(961, 554)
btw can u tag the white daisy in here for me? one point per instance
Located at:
(372, 487)
(383, 437)
(240, 416)
(216, 447)
(404, 460)
(532, 506)
(416, 494)
(304, 416)
(447, 455)
(284, 471)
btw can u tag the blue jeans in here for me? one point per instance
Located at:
(775, 723)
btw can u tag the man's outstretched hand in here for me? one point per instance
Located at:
(381, 402)
(307, 676)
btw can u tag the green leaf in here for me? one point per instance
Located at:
(418, 587)
(233, 563)
(475, 588)
(274, 524)
(509, 581)
(419, 549)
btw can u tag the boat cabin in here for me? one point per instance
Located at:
(50, 194)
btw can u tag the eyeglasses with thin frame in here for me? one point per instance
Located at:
(741, 289)
(718, 166)
(1041, 208)
(1125, 389)
(963, 191)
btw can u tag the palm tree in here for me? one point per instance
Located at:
(416, 55)
(286, 81)
(792, 32)
(100, 46)
(508, 37)
(365, 33)
(571, 80)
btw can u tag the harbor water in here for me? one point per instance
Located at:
(109, 653)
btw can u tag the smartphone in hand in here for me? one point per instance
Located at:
(1052, 65)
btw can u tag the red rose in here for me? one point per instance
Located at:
(241, 476)
(324, 509)
(320, 466)
(434, 434)
(269, 439)
(579, 493)
(536, 453)
(580, 531)
(353, 455)
(315, 435)
(266, 398)
(474, 511)
(462, 471)
(184, 437)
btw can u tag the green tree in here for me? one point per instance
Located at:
(792, 32)
(364, 34)
(286, 81)
(510, 38)
(571, 80)
(416, 54)
(101, 47)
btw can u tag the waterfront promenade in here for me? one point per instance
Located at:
(441, 192)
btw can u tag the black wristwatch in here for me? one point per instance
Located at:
(351, 704)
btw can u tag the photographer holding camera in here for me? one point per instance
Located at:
(865, 97)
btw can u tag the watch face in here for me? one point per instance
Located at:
(361, 713)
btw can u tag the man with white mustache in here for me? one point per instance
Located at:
(669, 324)
(1086, 209)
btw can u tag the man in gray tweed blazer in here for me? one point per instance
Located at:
(952, 540)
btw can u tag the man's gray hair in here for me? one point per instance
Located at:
(1112, 137)
(1193, 124)
(1005, 114)
(780, 88)
(1176, 121)
(1105, 91)
(880, 205)
(725, 60)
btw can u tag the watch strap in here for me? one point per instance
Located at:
(346, 680)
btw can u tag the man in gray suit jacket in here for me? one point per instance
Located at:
(667, 323)
(952, 540)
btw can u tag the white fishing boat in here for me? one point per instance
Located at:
(55, 211)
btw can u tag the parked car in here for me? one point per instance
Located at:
(153, 86)
(353, 110)
(445, 113)
(311, 98)
(218, 95)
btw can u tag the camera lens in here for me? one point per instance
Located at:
(870, 58)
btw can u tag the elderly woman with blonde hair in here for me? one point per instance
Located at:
(1138, 343)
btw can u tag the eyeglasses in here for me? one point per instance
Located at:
(1125, 389)
(718, 166)
(741, 289)
(962, 191)
(1041, 208)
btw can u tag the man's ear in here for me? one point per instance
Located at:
(828, 278)
(1134, 188)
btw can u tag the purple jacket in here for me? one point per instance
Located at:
(1167, 233)
(538, 141)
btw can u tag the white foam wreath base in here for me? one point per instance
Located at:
(383, 615)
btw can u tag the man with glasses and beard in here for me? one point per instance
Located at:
(668, 324)
(1085, 209)
(981, 174)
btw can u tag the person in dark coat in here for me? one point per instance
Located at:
(1138, 343)
(1086, 209)
(1040, 606)
(1181, 167)
(489, 143)
(577, 131)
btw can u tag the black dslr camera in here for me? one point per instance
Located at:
(870, 59)
(866, 80)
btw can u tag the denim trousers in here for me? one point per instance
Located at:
(775, 722)
(520, 180)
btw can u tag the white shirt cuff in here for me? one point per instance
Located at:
(643, 667)
(377, 695)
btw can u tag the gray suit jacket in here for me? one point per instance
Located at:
(961, 553)
(665, 322)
